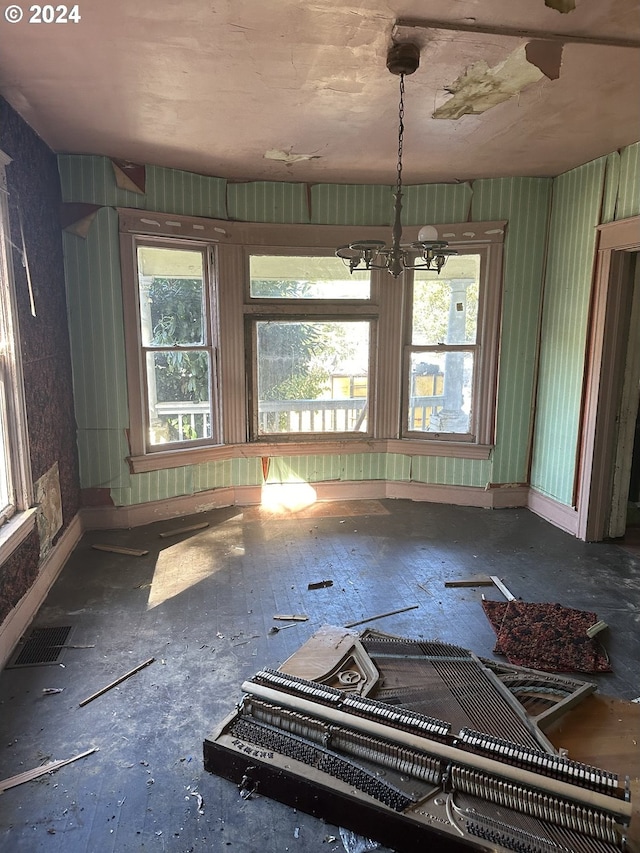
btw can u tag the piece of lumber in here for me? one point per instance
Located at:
(116, 682)
(503, 589)
(292, 618)
(319, 584)
(470, 582)
(28, 775)
(178, 530)
(595, 629)
(117, 549)
(380, 616)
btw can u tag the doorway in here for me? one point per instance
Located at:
(611, 389)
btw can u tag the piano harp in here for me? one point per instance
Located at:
(420, 745)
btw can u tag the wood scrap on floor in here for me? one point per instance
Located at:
(28, 775)
(470, 582)
(503, 589)
(116, 682)
(117, 549)
(381, 616)
(292, 618)
(319, 584)
(178, 530)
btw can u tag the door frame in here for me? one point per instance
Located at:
(604, 372)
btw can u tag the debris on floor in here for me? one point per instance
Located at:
(548, 637)
(28, 775)
(292, 618)
(381, 615)
(277, 628)
(116, 682)
(179, 530)
(117, 549)
(354, 843)
(319, 584)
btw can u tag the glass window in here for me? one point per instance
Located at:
(299, 277)
(442, 353)
(175, 328)
(15, 468)
(312, 376)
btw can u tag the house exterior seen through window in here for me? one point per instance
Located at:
(175, 294)
(306, 371)
(442, 350)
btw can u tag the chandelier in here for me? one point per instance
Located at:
(428, 253)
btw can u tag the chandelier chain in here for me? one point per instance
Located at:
(400, 134)
(428, 253)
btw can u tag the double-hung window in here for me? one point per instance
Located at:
(173, 322)
(451, 328)
(15, 476)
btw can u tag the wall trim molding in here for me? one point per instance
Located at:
(560, 515)
(19, 619)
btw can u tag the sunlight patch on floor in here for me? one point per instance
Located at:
(187, 563)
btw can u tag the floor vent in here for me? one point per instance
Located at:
(42, 646)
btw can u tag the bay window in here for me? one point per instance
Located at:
(248, 335)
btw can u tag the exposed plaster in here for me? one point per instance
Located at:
(481, 87)
(276, 154)
(563, 6)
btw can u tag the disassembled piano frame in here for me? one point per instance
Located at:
(413, 743)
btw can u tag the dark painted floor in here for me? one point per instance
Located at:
(202, 605)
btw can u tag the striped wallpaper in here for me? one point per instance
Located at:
(577, 201)
(95, 315)
(524, 202)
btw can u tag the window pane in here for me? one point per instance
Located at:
(445, 306)
(440, 392)
(5, 455)
(312, 377)
(295, 277)
(178, 387)
(171, 296)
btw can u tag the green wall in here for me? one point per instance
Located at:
(95, 315)
(604, 190)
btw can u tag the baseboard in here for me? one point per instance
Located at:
(19, 619)
(123, 517)
(560, 515)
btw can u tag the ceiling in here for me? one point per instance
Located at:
(211, 86)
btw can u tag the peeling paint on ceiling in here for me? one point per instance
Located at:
(563, 6)
(210, 87)
(276, 154)
(480, 88)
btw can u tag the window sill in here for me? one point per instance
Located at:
(15, 531)
(314, 447)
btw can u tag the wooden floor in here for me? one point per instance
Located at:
(202, 604)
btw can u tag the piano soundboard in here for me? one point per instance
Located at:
(415, 743)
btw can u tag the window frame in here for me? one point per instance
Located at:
(17, 519)
(232, 241)
(265, 309)
(136, 351)
(485, 348)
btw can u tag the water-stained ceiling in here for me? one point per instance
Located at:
(284, 90)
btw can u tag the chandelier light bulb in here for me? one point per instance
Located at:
(427, 234)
